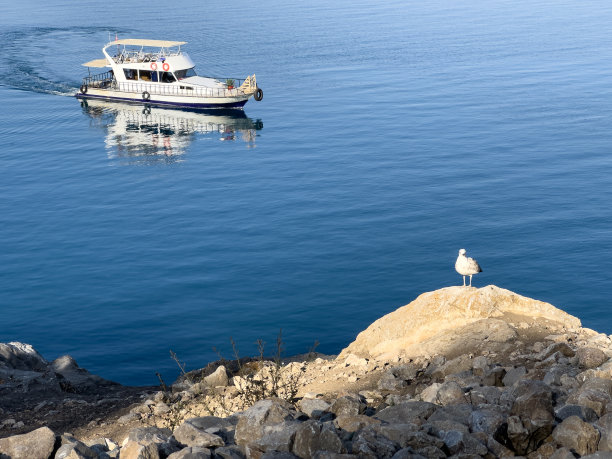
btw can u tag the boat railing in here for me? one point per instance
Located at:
(101, 80)
(126, 56)
(188, 90)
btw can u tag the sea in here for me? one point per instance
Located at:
(390, 135)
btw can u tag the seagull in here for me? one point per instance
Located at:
(466, 266)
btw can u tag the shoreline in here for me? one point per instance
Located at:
(456, 353)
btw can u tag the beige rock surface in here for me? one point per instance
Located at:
(429, 322)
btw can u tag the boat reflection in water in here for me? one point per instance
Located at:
(151, 133)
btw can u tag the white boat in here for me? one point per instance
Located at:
(157, 72)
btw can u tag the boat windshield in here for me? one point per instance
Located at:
(180, 74)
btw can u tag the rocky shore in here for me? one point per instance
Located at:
(459, 372)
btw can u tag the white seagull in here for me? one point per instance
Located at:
(466, 266)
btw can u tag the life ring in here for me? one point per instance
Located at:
(166, 66)
(83, 88)
(146, 95)
(153, 66)
(258, 95)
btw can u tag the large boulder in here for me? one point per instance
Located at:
(21, 356)
(425, 325)
(251, 423)
(577, 435)
(531, 417)
(313, 436)
(189, 434)
(37, 444)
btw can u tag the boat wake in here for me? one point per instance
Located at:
(47, 59)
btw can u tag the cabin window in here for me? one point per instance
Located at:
(187, 87)
(167, 77)
(186, 73)
(145, 75)
(130, 74)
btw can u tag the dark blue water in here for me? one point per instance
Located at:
(389, 137)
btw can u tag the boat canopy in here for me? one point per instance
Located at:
(96, 63)
(141, 42)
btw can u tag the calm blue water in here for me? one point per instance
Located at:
(389, 137)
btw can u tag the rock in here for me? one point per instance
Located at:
(413, 411)
(313, 407)
(451, 393)
(434, 314)
(457, 365)
(265, 412)
(78, 379)
(455, 413)
(368, 443)
(33, 445)
(604, 425)
(277, 437)
(532, 416)
(463, 443)
(479, 365)
(430, 393)
(583, 412)
(563, 453)
(312, 436)
(135, 450)
(554, 348)
(223, 427)
(21, 356)
(489, 395)
(513, 375)
(595, 393)
(494, 377)
(389, 381)
(355, 423)
(278, 455)
(355, 361)
(229, 452)
(577, 435)
(409, 435)
(189, 435)
(127, 418)
(148, 435)
(74, 449)
(590, 357)
(218, 378)
(348, 405)
(487, 420)
(191, 452)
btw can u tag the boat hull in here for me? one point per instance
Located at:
(160, 100)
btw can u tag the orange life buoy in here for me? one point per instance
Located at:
(166, 66)
(153, 66)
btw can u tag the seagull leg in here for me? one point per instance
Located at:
(470, 280)
(464, 281)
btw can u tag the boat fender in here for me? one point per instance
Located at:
(146, 95)
(166, 67)
(83, 88)
(146, 59)
(258, 95)
(146, 111)
(153, 66)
